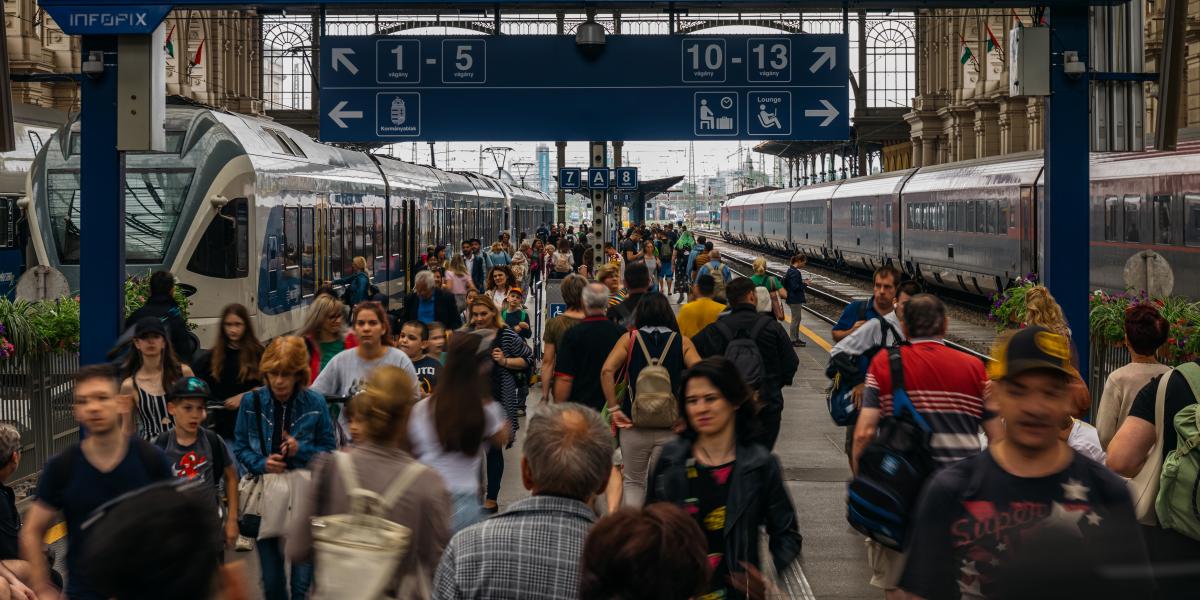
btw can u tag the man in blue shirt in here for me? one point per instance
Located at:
(696, 250)
(881, 303)
(427, 303)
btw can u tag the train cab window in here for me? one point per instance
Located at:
(308, 257)
(1112, 219)
(335, 242)
(1162, 219)
(1134, 230)
(229, 230)
(1191, 208)
(291, 237)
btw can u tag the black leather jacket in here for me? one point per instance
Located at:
(757, 497)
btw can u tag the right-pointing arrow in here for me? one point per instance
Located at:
(342, 56)
(337, 114)
(830, 112)
(828, 55)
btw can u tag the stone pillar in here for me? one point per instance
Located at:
(1014, 126)
(987, 128)
(1033, 113)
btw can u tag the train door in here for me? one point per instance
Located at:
(1029, 231)
(397, 280)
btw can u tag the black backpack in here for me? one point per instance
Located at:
(741, 349)
(882, 497)
(846, 371)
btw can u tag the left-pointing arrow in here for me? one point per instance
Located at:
(337, 114)
(342, 56)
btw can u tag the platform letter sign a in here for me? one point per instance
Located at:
(568, 179)
(598, 179)
(627, 178)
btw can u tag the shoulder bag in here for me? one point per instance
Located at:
(1144, 486)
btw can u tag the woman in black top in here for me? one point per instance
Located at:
(657, 329)
(728, 484)
(231, 368)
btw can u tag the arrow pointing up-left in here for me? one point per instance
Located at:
(337, 114)
(342, 56)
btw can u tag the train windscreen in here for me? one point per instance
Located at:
(154, 199)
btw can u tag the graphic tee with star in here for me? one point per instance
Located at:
(982, 533)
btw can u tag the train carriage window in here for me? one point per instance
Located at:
(394, 237)
(993, 222)
(1162, 219)
(229, 230)
(291, 237)
(336, 240)
(1003, 218)
(368, 250)
(941, 216)
(961, 209)
(380, 247)
(969, 224)
(8, 228)
(952, 216)
(1191, 208)
(358, 235)
(887, 215)
(308, 255)
(1134, 230)
(1112, 219)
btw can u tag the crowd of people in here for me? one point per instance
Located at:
(364, 456)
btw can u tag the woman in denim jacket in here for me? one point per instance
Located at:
(282, 426)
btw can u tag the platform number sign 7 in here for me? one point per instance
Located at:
(569, 179)
(627, 178)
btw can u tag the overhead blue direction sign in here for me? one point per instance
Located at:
(627, 178)
(569, 178)
(446, 88)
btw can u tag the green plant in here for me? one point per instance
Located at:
(18, 318)
(1008, 307)
(57, 323)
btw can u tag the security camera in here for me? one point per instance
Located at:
(589, 38)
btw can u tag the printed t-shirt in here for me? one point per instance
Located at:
(985, 533)
(946, 387)
(78, 488)
(196, 460)
(708, 489)
(343, 376)
(582, 352)
(427, 368)
(459, 471)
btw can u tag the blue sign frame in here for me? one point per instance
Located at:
(533, 88)
(626, 178)
(599, 178)
(570, 178)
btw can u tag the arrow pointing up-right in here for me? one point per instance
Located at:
(828, 55)
(830, 113)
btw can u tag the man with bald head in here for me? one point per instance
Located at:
(531, 551)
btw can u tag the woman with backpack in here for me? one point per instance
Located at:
(418, 502)
(497, 256)
(562, 262)
(768, 290)
(652, 357)
(358, 282)
(511, 357)
(449, 430)
(281, 427)
(714, 472)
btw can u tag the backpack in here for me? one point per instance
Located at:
(742, 350)
(1178, 501)
(654, 397)
(717, 270)
(561, 262)
(356, 554)
(882, 497)
(846, 371)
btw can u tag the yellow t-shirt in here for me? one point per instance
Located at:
(698, 314)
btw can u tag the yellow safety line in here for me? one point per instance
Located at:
(810, 334)
(56, 533)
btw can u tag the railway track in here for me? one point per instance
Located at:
(964, 337)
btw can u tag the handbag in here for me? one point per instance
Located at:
(357, 553)
(1144, 486)
(269, 497)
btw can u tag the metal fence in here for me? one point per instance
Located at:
(35, 397)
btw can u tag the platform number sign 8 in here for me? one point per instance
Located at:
(704, 60)
(627, 178)
(464, 61)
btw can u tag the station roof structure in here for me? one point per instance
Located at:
(653, 187)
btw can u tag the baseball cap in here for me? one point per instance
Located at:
(148, 325)
(1029, 349)
(518, 291)
(190, 387)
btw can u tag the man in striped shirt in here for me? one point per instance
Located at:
(946, 387)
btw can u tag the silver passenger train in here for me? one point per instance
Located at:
(247, 210)
(974, 226)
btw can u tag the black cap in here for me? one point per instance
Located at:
(190, 387)
(147, 325)
(1029, 349)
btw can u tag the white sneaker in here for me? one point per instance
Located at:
(244, 544)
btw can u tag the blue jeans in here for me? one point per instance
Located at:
(274, 577)
(466, 511)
